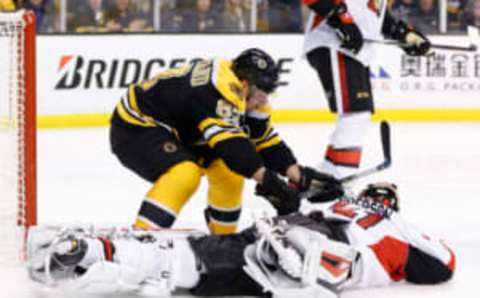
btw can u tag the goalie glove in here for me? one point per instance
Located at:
(317, 186)
(276, 191)
(416, 44)
(347, 31)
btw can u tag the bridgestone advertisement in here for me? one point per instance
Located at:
(88, 74)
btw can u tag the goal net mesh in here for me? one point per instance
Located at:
(17, 132)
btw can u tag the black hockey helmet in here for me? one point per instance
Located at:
(257, 68)
(382, 192)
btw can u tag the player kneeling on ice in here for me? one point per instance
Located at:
(325, 248)
(207, 118)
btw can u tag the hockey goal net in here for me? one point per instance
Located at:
(17, 133)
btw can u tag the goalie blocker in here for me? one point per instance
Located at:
(324, 249)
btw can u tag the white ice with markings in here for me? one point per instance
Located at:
(435, 165)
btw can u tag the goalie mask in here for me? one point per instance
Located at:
(258, 68)
(383, 192)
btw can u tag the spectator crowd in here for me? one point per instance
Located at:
(424, 14)
(219, 16)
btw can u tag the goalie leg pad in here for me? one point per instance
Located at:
(105, 278)
(276, 281)
(337, 260)
(285, 261)
(136, 261)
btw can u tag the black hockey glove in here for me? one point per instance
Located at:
(416, 44)
(319, 187)
(346, 29)
(283, 198)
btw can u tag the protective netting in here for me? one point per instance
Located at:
(13, 122)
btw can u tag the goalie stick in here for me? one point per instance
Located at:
(385, 138)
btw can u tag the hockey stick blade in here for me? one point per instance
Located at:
(385, 138)
(469, 48)
(387, 155)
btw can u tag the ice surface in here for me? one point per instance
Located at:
(435, 165)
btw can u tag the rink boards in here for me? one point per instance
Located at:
(80, 78)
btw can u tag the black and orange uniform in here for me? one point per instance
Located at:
(188, 122)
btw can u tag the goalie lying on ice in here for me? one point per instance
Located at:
(325, 248)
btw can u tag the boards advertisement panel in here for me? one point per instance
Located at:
(88, 74)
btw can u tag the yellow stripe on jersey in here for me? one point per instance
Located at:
(228, 84)
(132, 99)
(130, 112)
(269, 138)
(212, 121)
(127, 117)
(224, 136)
(269, 143)
(215, 130)
(166, 74)
(262, 115)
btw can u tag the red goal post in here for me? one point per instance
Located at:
(18, 191)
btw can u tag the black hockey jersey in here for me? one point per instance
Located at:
(203, 104)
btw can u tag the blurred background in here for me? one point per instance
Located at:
(220, 16)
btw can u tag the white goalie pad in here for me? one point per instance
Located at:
(104, 278)
(287, 261)
(110, 278)
(275, 281)
(42, 244)
(325, 261)
(143, 261)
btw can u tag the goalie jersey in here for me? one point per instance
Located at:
(204, 106)
(392, 250)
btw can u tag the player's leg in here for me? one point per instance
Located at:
(348, 89)
(159, 261)
(156, 155)
(170, 192)
(224, 198)
(311, 264)
(222, 260)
